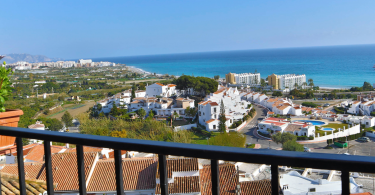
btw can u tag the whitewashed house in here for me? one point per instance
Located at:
(283, 125)
(235, 105)
(158, 89)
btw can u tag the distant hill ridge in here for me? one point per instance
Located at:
(13, 58)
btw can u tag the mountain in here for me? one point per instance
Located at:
(13, 58)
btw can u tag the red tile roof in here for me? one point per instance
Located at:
(85, 149)
(65, 170)
(182, 185)
(259, 187)
(180, 165)
(32, 170)
(159, 84)
(227, 179)
(211, 120)
(139, 174)
(213, 104)
(112, 154)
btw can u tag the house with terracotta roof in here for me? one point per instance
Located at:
(37, 126)
(283, 125)
(158, 89)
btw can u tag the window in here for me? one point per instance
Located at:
(214, 109)
(214, 127)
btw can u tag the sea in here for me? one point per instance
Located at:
(328, 66)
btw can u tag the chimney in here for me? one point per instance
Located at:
(67, 145)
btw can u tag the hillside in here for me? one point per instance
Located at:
(12, 58)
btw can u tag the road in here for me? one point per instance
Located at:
(251, 127)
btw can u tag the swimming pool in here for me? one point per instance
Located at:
(313, 122)
(328, 129)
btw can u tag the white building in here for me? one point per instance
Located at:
(82, 61)
(282, 125)
(289, 81)
(368, 121)
(294, 183)
(158, 89)
(209, 109)
(37, 126)
(364, 107)
(247, 78)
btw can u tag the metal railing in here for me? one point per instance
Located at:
(275, 158)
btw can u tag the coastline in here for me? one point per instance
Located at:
(322, 87)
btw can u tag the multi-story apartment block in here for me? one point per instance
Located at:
(243, 78)
(287, 81)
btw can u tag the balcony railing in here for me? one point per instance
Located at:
(275, 158)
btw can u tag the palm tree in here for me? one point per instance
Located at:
(304, 84)
(311, 83)
(296, 85)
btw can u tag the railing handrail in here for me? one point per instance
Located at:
(261, 156)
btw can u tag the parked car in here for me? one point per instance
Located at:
(306, 149)
(326, 105)
(364, 139)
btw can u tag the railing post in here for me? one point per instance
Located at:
(48, 164)
(21, 169)
(215, 177)
(81, 170)
(118, 172)
(163, 174)
(345, 184)
(275, 181)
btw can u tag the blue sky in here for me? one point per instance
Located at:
(87, 29)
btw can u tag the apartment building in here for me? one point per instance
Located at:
(286, 81)
(243, 78)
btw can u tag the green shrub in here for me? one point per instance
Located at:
(311, 138)
(302, 138)
(264, 134)
(309, 104)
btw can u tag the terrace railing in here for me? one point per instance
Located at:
(275, 158)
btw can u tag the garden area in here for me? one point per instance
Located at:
(336, 126)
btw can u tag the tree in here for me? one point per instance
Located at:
(296, 85)
(262, 82)
(54, 125)
(217, 77)
(67, 119)
(150, 115)
(175, 115)
(311, 82)
(304, 84)
(61, 98)
(293, 146)
(367, 87)
(101, 115)
(31, 76)
(277, 93)
(190, 111)
(114, 111)
(309, 95)
(133, 92)
(141, 113)
(283, 137)
(4, 63)
(222, 118)
(121, 134)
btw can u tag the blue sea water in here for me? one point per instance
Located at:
(333, 66)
